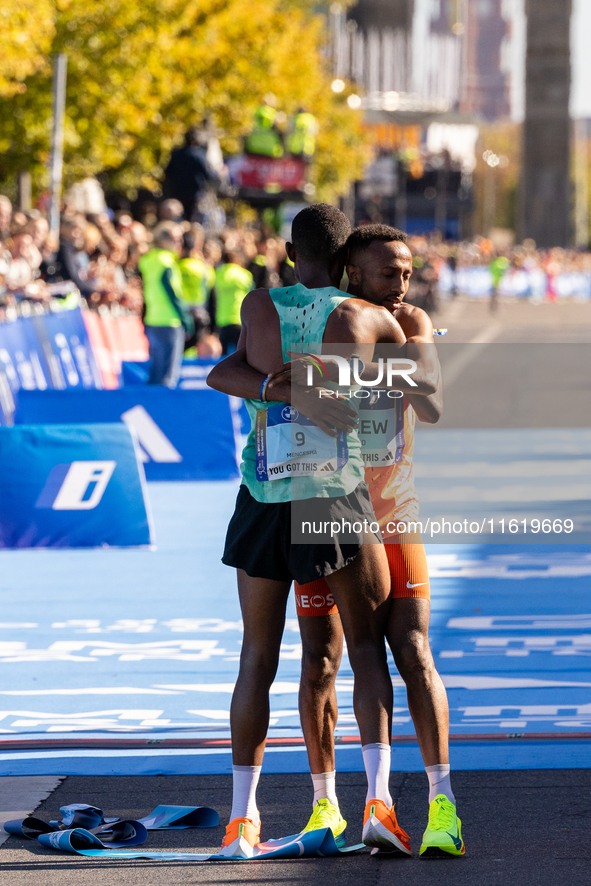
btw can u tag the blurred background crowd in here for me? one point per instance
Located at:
(97, 256)
(180, 179)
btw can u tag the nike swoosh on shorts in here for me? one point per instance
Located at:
(420, 584)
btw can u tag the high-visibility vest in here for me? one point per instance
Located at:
(301, 140)
(264, 139)
(159, 309)
(232, 284)
(194, 280)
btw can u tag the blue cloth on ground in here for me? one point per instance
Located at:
(123, 832)
(319, 843)
(115, 831)
(176, 818)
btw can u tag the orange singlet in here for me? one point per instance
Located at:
(395, 502)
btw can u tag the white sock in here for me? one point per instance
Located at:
(325, 787)
(376, 758)
(439, 781)
(244, 795)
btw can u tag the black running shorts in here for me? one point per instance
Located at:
(259, 538)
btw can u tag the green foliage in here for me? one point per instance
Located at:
(140, 73)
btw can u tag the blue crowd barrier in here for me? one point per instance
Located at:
(45, 352)
(72, 485)
(183, 434)
(134, 373)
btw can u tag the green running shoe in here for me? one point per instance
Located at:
(443, 835)
(325, 815)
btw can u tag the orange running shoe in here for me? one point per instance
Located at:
(382, 831)
(242, 837)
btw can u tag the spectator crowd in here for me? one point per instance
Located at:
(480, 268)
(99, 255)
(176, 273)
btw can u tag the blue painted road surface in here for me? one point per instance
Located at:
(120, 645)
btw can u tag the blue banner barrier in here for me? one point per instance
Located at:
(134, 373)
(73, 361)
(183, 435)
(47, 351)
(72, 486)
(193, 374)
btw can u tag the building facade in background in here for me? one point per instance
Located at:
(487, 73)
(438, 56)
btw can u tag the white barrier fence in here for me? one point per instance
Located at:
(477, 282)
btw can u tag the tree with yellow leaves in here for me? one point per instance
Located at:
(141, 73)
(26, 32)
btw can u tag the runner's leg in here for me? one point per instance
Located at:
(408, 637)
(322, 648)
(361, 591)
(263, 604)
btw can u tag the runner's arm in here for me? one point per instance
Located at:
(357, 327)
(418, 328)
(235, 377)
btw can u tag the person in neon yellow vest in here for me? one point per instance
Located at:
(301, 139)
(197, 286)
(165, 317)
(265, 139)
(232, 284)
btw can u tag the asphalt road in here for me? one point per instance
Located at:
(520, 828)
(524, 366)
(515, 321)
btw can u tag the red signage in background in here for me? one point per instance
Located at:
(267, 174)
(114, 339)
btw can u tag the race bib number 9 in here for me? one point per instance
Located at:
(289, 445)
(381, 428)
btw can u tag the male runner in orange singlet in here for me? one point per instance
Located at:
(379, 269)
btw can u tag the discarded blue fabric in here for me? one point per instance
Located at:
(313, 844)
(111, 836)
(125, 832)
(114, 830)
(180, 817)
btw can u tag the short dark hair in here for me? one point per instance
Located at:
(319, 232)
(233, 256)
(363, 236)
(188, 241)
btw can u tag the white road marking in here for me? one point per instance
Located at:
(455, 366)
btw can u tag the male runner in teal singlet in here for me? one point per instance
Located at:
(259, 534)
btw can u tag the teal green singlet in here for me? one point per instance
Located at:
(303, 314)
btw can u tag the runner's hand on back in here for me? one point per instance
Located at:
(329, 413)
